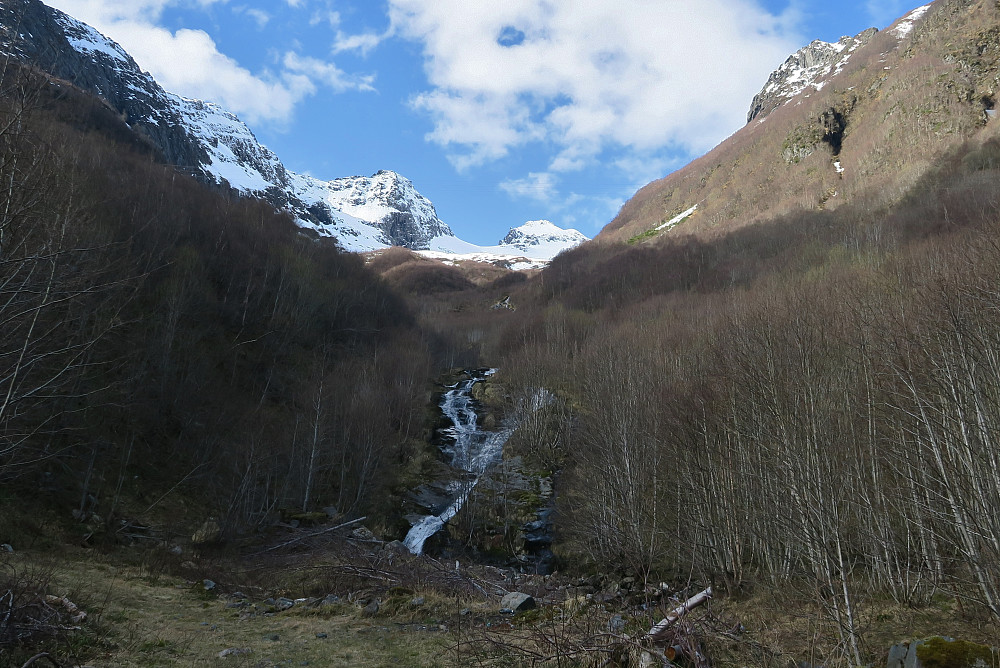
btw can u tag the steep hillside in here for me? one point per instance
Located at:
(859, 121)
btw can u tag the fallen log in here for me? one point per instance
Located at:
(661, 628)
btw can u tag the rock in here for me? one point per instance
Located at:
(616, 624)
(176, 550)
(209, 532)
(208, 585)
(189, 566)
(417, 602)
(941, 652)
(363, 533)
(329, 600)
(396, 547)
(283, 604)
(897, 655)
(370, 610)
(234, 651)
(516, 602)
(6, 548)
(322, 636)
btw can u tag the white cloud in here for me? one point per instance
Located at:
(189, 62)
(540, 186)
(261, 17)
(326, 73)
(588, 75)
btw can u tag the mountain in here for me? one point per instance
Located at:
(858, 121)
(542, 238)
(215, 146)
(528, 246)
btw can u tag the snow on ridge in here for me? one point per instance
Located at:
(87, 39)
(905, 25)
(362, 213)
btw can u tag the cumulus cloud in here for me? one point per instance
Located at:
(589, 76)
(189, 62)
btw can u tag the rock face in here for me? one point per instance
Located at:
(811, 66)
(212, 144)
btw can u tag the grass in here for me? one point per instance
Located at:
(138, 620)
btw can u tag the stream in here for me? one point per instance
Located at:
(467, 448)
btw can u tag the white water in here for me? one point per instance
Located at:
(473, 450)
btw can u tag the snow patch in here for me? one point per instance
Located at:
(905, 25)
(676, 220)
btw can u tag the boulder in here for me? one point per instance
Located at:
(516, 602)
(942, 652)
(207, 533)
(370, 610)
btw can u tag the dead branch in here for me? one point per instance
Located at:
(657, 632)
(310, 535)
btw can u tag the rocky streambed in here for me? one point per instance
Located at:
(483, 502)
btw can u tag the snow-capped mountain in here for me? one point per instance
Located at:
(814, 65)
(541, 237)
(809, 67)
(214, 145)
(528, 246)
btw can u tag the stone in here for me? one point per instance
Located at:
(942, 652)
(6, 547)
(370, 610)
(330, 599)
(363, 533)
(234, 651)
(283, 604)
(322, 636)
(176, 550)
(516, 602)
(897, 655)
(417, 602)
(208, 533)
(208, 585)
(396, 547)
(616, 624)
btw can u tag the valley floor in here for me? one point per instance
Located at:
(148, 607)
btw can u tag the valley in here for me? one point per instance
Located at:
(288, 421)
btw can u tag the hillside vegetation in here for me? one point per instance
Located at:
(792, 396)
(171, 353)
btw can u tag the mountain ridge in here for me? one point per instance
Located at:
(215, 146)
(861, 129)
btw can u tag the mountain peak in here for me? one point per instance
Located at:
(536, 234)
(214, 145)
(809, 67)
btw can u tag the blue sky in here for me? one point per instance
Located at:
(499, 111)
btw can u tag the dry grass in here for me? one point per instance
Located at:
(139, 616)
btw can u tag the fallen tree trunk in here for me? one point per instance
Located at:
(657, 631)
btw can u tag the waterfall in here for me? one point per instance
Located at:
(470, 449)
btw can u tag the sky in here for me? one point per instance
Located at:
(499, 111)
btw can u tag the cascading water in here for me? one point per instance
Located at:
(471, 450)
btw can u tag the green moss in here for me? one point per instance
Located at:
(940, 653)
